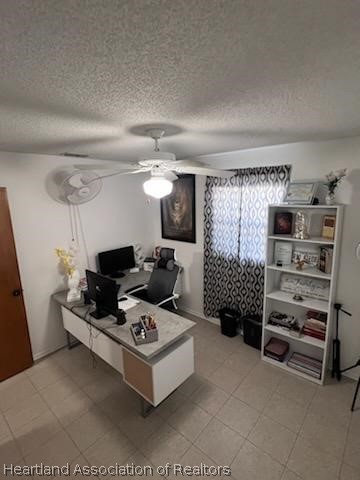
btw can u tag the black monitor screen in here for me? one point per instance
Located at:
(116, 260)
(103, 291)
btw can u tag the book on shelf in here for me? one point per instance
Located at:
(276, 349)
(305, 364)
(326, 259)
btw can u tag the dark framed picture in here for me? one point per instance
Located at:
(283, 223)
(178, 211)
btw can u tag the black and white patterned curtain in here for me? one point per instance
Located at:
(235, 227)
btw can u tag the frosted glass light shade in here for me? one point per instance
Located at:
(158, 187)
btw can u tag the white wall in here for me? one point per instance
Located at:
(309, 160)
(119, 215)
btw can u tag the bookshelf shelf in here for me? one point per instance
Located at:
(307, 272)
(289, 238)
(304, 339)
(283, 302)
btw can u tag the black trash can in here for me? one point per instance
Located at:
(252, 330)
(229, 320)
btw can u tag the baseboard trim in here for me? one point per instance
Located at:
(215, 321)
(45, 353)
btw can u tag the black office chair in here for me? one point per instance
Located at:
(160, 290)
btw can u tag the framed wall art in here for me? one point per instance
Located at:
(301, 193)
(178, 211)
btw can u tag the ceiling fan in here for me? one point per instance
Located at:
(162, 166)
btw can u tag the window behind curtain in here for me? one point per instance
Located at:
(235, 237)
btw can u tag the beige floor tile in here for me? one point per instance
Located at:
(78, 469)
(45, 373)
(165, 445)
(137, 428)
(137, 459)
(189, 420)
(296, 389)
(238, 416)
(103, 387)
(205, 365)
(265, 375)
(9, 452)
(333, 401)
(37, 432)
(114, 447)
(172, 403)
(193, 458)
(59, 450)
(89, 428)
(25, 411)
(246, 357)
(4, 428)
(352, 450)
(349, 473)
(289, 475)
(253, 394)
(311, 463)
(289, 414)
(327, 436)
(118, 406)
(273, 438)
(15, 390)
(72, 407)
(227, 379)
(192, 384)
(210, 398)
(219, 442)
(59, 391)
(253, 464)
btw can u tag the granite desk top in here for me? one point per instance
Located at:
(171, 326)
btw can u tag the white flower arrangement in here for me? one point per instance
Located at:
(334, 178)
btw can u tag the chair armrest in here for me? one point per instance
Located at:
(175, 296)
(137, 288)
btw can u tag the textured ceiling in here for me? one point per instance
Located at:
(81, 75)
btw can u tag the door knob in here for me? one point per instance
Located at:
(16, 292)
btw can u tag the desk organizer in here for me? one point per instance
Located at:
(151, 335)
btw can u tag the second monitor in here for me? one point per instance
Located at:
(113, 262)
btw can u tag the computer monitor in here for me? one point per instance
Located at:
(103, 291)
(113, 262)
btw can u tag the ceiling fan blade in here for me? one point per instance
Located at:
(132, 172)
(198, 168)
(107, 166)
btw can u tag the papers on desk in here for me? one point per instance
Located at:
(128, 303)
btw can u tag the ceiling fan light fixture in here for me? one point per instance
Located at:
(158, 186)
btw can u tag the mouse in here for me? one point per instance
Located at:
(122, 299)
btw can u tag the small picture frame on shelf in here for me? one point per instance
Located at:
(328, 229)
(301, 193)
(283, 223)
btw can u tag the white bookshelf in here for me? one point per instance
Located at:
(275, 299)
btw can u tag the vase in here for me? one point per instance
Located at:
(330, 198)
(74, 292)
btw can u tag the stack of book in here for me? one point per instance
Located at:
(305, 364)
(315, 325)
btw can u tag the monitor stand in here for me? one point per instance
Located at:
(118, 274)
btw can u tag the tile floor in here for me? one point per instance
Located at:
(235, 410)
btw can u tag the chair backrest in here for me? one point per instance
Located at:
(162, 283)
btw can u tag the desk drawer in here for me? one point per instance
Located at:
(101, 344)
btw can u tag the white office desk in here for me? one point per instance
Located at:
(153, 370)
